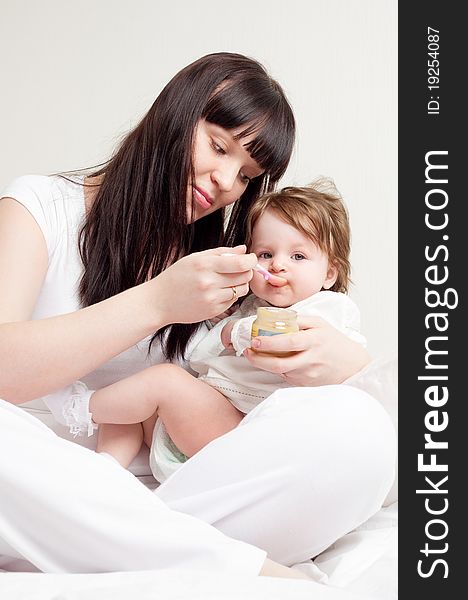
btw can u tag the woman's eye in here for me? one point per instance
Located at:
(298, 256)
(217, 148)
(264, 255)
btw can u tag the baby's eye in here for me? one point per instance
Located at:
(264, 255)
(298, 256)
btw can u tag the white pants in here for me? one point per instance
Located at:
(303, 468)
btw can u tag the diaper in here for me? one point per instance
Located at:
(165, 458)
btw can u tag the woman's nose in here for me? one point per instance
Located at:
(225, 178)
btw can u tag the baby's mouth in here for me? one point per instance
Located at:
(277, 281)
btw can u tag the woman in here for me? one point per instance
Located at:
(107, 274)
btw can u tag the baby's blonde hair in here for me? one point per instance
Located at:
(316, 210)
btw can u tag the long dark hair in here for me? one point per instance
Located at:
(137, 224)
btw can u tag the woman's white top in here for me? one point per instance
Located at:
(58, 206)
(234, 376)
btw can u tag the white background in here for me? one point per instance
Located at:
(76, 76)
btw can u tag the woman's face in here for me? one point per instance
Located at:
(223, 169)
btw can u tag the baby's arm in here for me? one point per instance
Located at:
(215, 341)
(193, 412)
(226, 334)
(232, 333)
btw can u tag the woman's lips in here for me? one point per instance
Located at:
(202, 198)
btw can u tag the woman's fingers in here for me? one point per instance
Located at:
(236, 291)
(309, 322)
(307, 337)
(216, 269)
(225, 260)
(266, 348)
(201, 285)
(275, 364)
(292, 342)
(227, 250)
(234, 263)
(194, 290)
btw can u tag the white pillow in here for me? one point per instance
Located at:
(380, 380)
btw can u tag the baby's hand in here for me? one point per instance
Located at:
(223, 315)
(226, 334)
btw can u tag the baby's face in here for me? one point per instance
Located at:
(287, 252)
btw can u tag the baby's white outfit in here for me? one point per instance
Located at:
(234, 376)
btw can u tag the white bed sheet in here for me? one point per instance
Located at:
(162, 585)
(362, 565)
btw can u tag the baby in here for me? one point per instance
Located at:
(301, 237)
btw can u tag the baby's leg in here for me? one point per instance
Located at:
(193, 412)
(118, 411)
(130, 400)
(123, 442)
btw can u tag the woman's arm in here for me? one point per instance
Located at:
(323, 355)
(39, 357)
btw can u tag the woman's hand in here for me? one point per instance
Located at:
(322, 354)
(202, 285)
